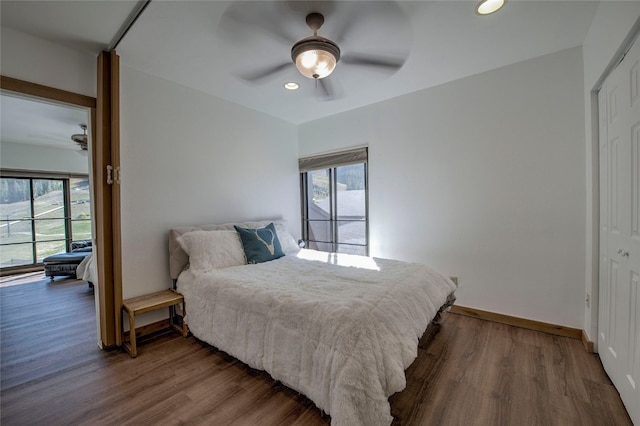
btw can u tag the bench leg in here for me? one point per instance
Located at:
(132, 335)
(185, 327)
(130, 346)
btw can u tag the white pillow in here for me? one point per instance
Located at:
(287, 242)
(210, 250)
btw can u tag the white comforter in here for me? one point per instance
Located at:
(86, 270)
(340, 334)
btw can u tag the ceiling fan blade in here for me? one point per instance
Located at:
(254, 19)
(326, 88)
(344, 27)
(389, 63)
(361, 17)
(329, 89)
(264, 73)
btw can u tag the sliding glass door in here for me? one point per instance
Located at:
(48, 218)
(40, 217)
(80, 208)
(16, 230)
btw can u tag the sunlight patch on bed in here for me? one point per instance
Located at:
(341, 259)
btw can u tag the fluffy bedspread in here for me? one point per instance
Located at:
(340, 329)
(87, 269)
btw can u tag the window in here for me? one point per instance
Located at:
(41, 216)
(80, 207)
(335, 216)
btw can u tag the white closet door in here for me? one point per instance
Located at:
(619, 306)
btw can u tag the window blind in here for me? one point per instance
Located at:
(334, 159)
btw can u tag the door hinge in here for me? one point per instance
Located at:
(113, 175)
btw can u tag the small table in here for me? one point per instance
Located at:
(151, 302)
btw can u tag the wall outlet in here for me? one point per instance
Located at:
(587, 300)
(455, 280)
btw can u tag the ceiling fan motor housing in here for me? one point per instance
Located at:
(314, 21)
(81, 139)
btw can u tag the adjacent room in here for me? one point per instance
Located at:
(496, 148)
(46, 197)
(45, 234)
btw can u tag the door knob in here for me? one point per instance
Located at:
(623, 253)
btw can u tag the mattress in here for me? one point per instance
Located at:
(341, 329)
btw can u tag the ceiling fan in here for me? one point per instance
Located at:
(81, 138)
(315, 56)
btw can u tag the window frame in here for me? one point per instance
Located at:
(66, 217)
(331, 162)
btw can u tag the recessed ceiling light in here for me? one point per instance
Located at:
(291, 85)
(487, 7)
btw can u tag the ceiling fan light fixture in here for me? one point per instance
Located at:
(315, 57)
(487, 7)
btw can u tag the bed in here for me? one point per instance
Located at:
(87, 270)
(67, 263)
(340, 329)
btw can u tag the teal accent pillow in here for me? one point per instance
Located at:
(261, 244)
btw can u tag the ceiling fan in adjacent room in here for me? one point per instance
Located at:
(81, 138)
(316, 57)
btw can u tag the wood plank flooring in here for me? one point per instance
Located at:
(472, 372)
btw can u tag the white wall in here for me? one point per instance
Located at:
(39, 61)
(188, 158)
(482, 178)
(612, 23)
(41, 158)
(36, 60)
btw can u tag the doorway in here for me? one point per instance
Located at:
(44, 184)
(102, 214)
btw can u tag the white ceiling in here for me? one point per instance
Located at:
(26, 120)
(209, 45)
(196, 44)
(86, 25)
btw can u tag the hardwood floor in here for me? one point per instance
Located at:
(45, 328)
(472, 372)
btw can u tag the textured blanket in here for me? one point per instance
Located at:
(340, 329)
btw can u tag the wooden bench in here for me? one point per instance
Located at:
(148, 303)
